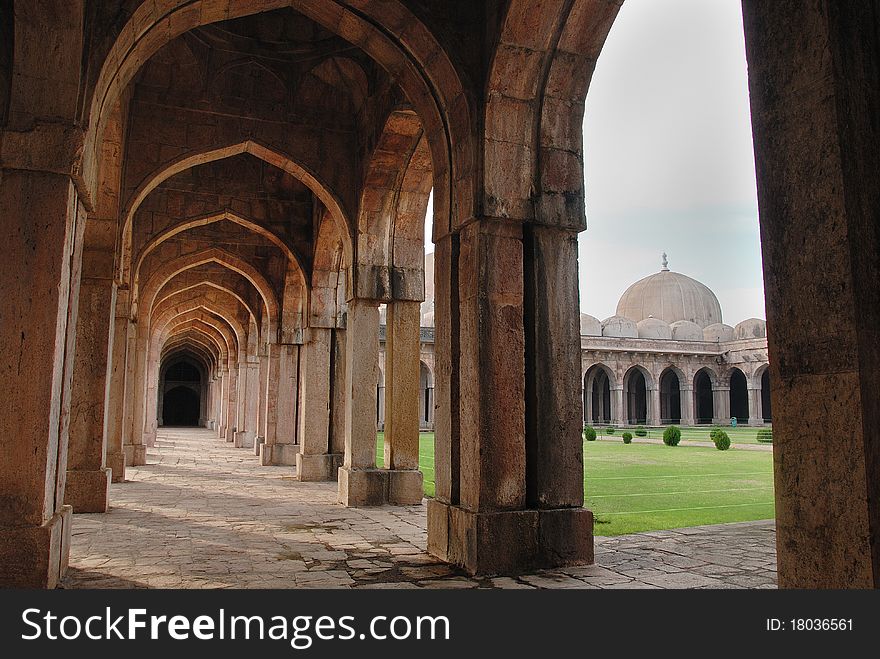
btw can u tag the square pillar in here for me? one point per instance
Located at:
(280, 447)
(817, 152)
(519, 503)
(687, 405)
(360, 483)
(39, 285)
(721, 405)
(402, 384)
(88, 479)
(314, 461)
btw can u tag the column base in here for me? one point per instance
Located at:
(36, 556)
(221, 432)
(278, 454)
(88, 491)
(406, 487)
(377, 487)
(135, 455)
(116, 465)
(149, 438)
(258, 442)
(243, 439)
(509, 542)
(313, 468)
(230, 435)
(362, 487)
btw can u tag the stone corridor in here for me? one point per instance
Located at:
(202, 514)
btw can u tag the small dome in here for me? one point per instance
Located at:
(590, 326)
(752, 328)
(718, 333)
(670, 296)
(654, 328)
(620, 327)
(685, 330)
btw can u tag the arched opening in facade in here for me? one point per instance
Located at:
(426, 397)
(739, 396)
(598, 407)
(766, 411)
(704, 407)
(636, 392)
(181, 400)
(670, 397)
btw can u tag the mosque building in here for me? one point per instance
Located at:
(665, 357)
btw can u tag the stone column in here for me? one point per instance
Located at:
(232, 403)
(263, 401)
(222, 395)
(520, 499)
(654, 411)
(721, 404)
(687, 405)
(249, 404)
(618, 409)
(447, 444)
(134, 448)
(314, 461)
(88, 479)
(587, 397)
(755, 418)
(338, 392)
(817, 148)
(554, 406)
(241, 395)
(402, 394)
(360, 483)
(39, 285)
(280, 447)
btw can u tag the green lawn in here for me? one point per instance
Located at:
(647, 487)
(738, 435)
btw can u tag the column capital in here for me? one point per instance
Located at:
(49, 147)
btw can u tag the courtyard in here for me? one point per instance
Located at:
(202, 514)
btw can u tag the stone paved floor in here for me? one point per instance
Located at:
(204, 514)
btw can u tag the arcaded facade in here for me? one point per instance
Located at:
(205, 202)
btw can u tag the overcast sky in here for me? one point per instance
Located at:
(668, 157)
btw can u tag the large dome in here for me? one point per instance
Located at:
(670, 296)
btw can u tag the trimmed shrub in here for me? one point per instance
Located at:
(610, 430)
(627, 437)
(765, 436)
(722, 440)
(672, 436)
(641, 432)
(714, 432)
(590, 433)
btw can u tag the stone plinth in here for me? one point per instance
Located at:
(135, 454)
(278, 454)
(321, 467)
(35, 557)
(510, 541)
(88, 491)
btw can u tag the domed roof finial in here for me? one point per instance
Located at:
(665, 262)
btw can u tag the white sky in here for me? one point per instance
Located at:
(668, 157)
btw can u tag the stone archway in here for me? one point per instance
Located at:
(739, 396)
(704, 405)
(670, 397)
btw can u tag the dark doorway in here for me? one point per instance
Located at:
(705, 409)
(765, 396)
(637, 398)
(600, 391)
(180, 407)
(670, 397)
(739, 396)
